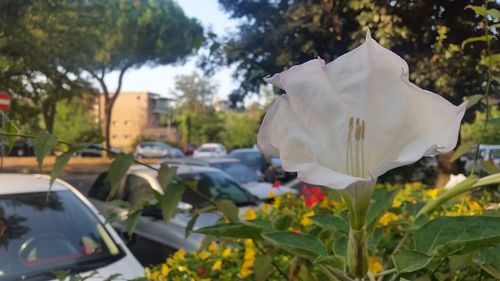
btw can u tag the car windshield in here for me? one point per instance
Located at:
(206, 149)
(41, 233)
(251, 158)
(241, 172)
(214, 185)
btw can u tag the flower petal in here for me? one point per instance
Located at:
(309, 126)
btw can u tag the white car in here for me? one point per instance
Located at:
(152, 149)
(42, 232)
(154, 240)
(210, 150)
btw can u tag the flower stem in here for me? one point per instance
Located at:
(357, 252)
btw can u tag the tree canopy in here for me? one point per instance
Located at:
(274, 35)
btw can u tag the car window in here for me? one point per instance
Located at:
(214, 185)
(137, 189)
(207, 149)
(101, 188)
(495, 153)
(41, 233)
(241, 172)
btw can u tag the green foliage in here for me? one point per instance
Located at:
(74, 123)
(229, 209)
(117, 171)
(237, 230)
(240, 129)
(43, 144)
(471, 131)
(62, 160)
(297, 244)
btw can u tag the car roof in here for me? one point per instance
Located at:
(245, 150)
(26, 183)
(181, 169)
(211, 144)
(216, 160)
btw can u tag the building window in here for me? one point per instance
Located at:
(114, 136)
(114, 123)
(126, 122)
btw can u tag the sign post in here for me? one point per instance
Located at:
(4, 107)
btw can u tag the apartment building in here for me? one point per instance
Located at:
(135, 115)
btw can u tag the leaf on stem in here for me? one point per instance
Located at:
(117, 170)
(298, 244)
(43, 144)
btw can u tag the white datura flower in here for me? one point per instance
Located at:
(349, 121)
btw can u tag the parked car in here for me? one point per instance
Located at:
(20, 148)
(154, 240)
(246, 176)
(210, 150)
(189, 149)
(95, 150)
(251, 157)
(275, 172)
(43, 232)
(175, 153)
(152, 149)
(487, 152)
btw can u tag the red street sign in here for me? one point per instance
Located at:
(4, 101)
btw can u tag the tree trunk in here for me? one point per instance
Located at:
(49, 114)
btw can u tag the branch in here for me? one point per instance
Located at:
(120, 82)
(100, 79)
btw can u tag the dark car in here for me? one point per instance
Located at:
(250, 157)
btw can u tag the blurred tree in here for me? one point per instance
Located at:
(274, 35)
(197, 119)
(43, 44)
(240, 129)
(134, 33)
(75, 124)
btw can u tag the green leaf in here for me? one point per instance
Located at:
(43, 143)
(381, 202)
(131, 222)
(166, 174)
(460, 188)
(236, 230)
(490, 258)
(479, 10)
(410, 260)
(283, 222)
(461, 150)
(117, 170)
(471, 101)
(297, 244)
(491, 179)
(61, 275)
(495, 60)
(340, 246)
(331, 222)
(10, 128)
(333, 261)
(494, 13)
(489, 167)
(494, 122)
(444, 236)
(61, 161)
(483, 38)
(190, 225)
(265, 267)
(169, 202)
(229, 209)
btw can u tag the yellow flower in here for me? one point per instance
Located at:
(245, 272)
(324, 204)
(226, 253)
(305, 218)
(248, 243)
(180, 254)
(165, 270)
(213, 247)
(432, 193)
(250, 215)
(155, 275)
(277, 202)
(147, 273)
(374, 265)
(475, 207)
(271, 194)
(217, 265)
(387, 218)
(203, 255)
(396, 203)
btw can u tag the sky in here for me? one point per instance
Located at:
(161, 79)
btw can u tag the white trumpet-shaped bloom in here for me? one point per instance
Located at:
(352, 120)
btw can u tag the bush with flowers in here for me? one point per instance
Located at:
(320, 213)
